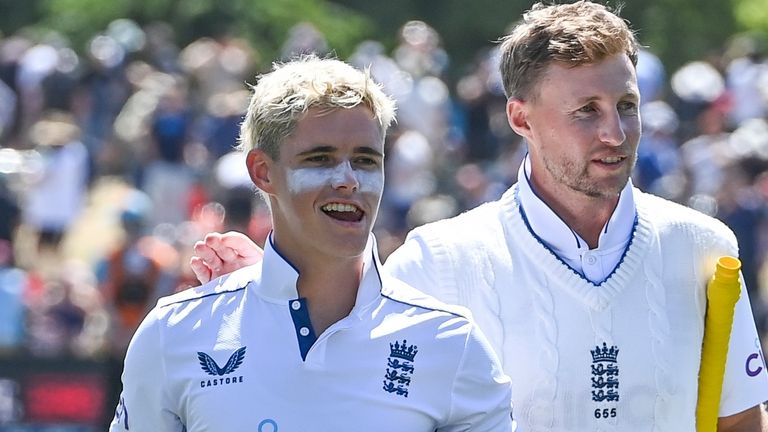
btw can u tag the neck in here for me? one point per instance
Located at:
(330, 289)
(585, 215)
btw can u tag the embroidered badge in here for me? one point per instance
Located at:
(397, 379)
(605, 374)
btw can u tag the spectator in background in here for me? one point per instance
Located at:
(746, 78)
(659, 169)
(66, 313)
(10, 212)
(57, 193)
(167, 178)
(13, 280)
(13, 286)
(410, 174)
(651, 76)
(134, 275)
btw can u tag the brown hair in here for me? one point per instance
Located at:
(575, 34)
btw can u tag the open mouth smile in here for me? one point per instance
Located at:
(343, 212)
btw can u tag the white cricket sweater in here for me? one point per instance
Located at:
(548, 323)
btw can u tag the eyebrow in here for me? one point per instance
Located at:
(587, 99)
(332, 149)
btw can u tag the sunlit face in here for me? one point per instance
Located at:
(584, 128)
(327, 183)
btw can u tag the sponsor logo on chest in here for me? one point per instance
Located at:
(222, 376)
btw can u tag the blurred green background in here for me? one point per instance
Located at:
(676, 30)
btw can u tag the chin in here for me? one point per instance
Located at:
(347, 248)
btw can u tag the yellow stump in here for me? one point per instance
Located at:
(722, 293)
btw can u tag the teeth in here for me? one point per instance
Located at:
(336, 207)
(611, 159)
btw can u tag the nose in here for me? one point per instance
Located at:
(344, 177)
(612, 129)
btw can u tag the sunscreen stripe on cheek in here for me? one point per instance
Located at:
(306, 179)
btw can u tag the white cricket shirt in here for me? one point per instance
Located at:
(239, 354)
(594, 264)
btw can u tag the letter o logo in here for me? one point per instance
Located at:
(268, 422)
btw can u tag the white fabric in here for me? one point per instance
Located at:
(56, 199)
(544, 319)
(453, 383)
(594, 264)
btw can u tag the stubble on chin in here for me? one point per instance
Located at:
(578, 179)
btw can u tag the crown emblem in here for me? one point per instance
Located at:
(605, 354)
(403, 351)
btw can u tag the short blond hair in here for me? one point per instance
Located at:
(575, 34)
(283, 95)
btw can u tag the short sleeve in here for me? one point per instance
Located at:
(746, 379)
(481, 398)
(143, 405)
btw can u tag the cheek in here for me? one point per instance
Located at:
(370, 181)
(633, 129)
(309, 179)
(303, 180)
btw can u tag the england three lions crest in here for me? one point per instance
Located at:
(605, 373)
(397, 378)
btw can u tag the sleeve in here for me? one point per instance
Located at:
(746, 380)
(143, 404)
(417, 262)
(481, 398)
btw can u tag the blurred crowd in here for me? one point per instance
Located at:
(114, 162)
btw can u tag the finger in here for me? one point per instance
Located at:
(227, 254)
(213, 239)
(208, 256)
(241, 244)
(201, 271)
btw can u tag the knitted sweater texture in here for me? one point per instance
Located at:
(621, 355)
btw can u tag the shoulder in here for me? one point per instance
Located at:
(456, 235)
(229, 284)
(446, 258)
(207, 302)
(464, 225)
(675, 221)
(405, 296)
(177, 317)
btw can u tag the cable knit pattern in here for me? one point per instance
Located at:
(544, 318)
(545, 324)
(658, 323)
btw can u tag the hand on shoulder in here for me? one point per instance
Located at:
(219, 254)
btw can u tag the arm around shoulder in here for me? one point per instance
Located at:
(143, 402)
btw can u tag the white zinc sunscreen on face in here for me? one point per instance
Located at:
(305, 179)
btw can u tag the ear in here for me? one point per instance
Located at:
(260, 167)
(517, 116)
